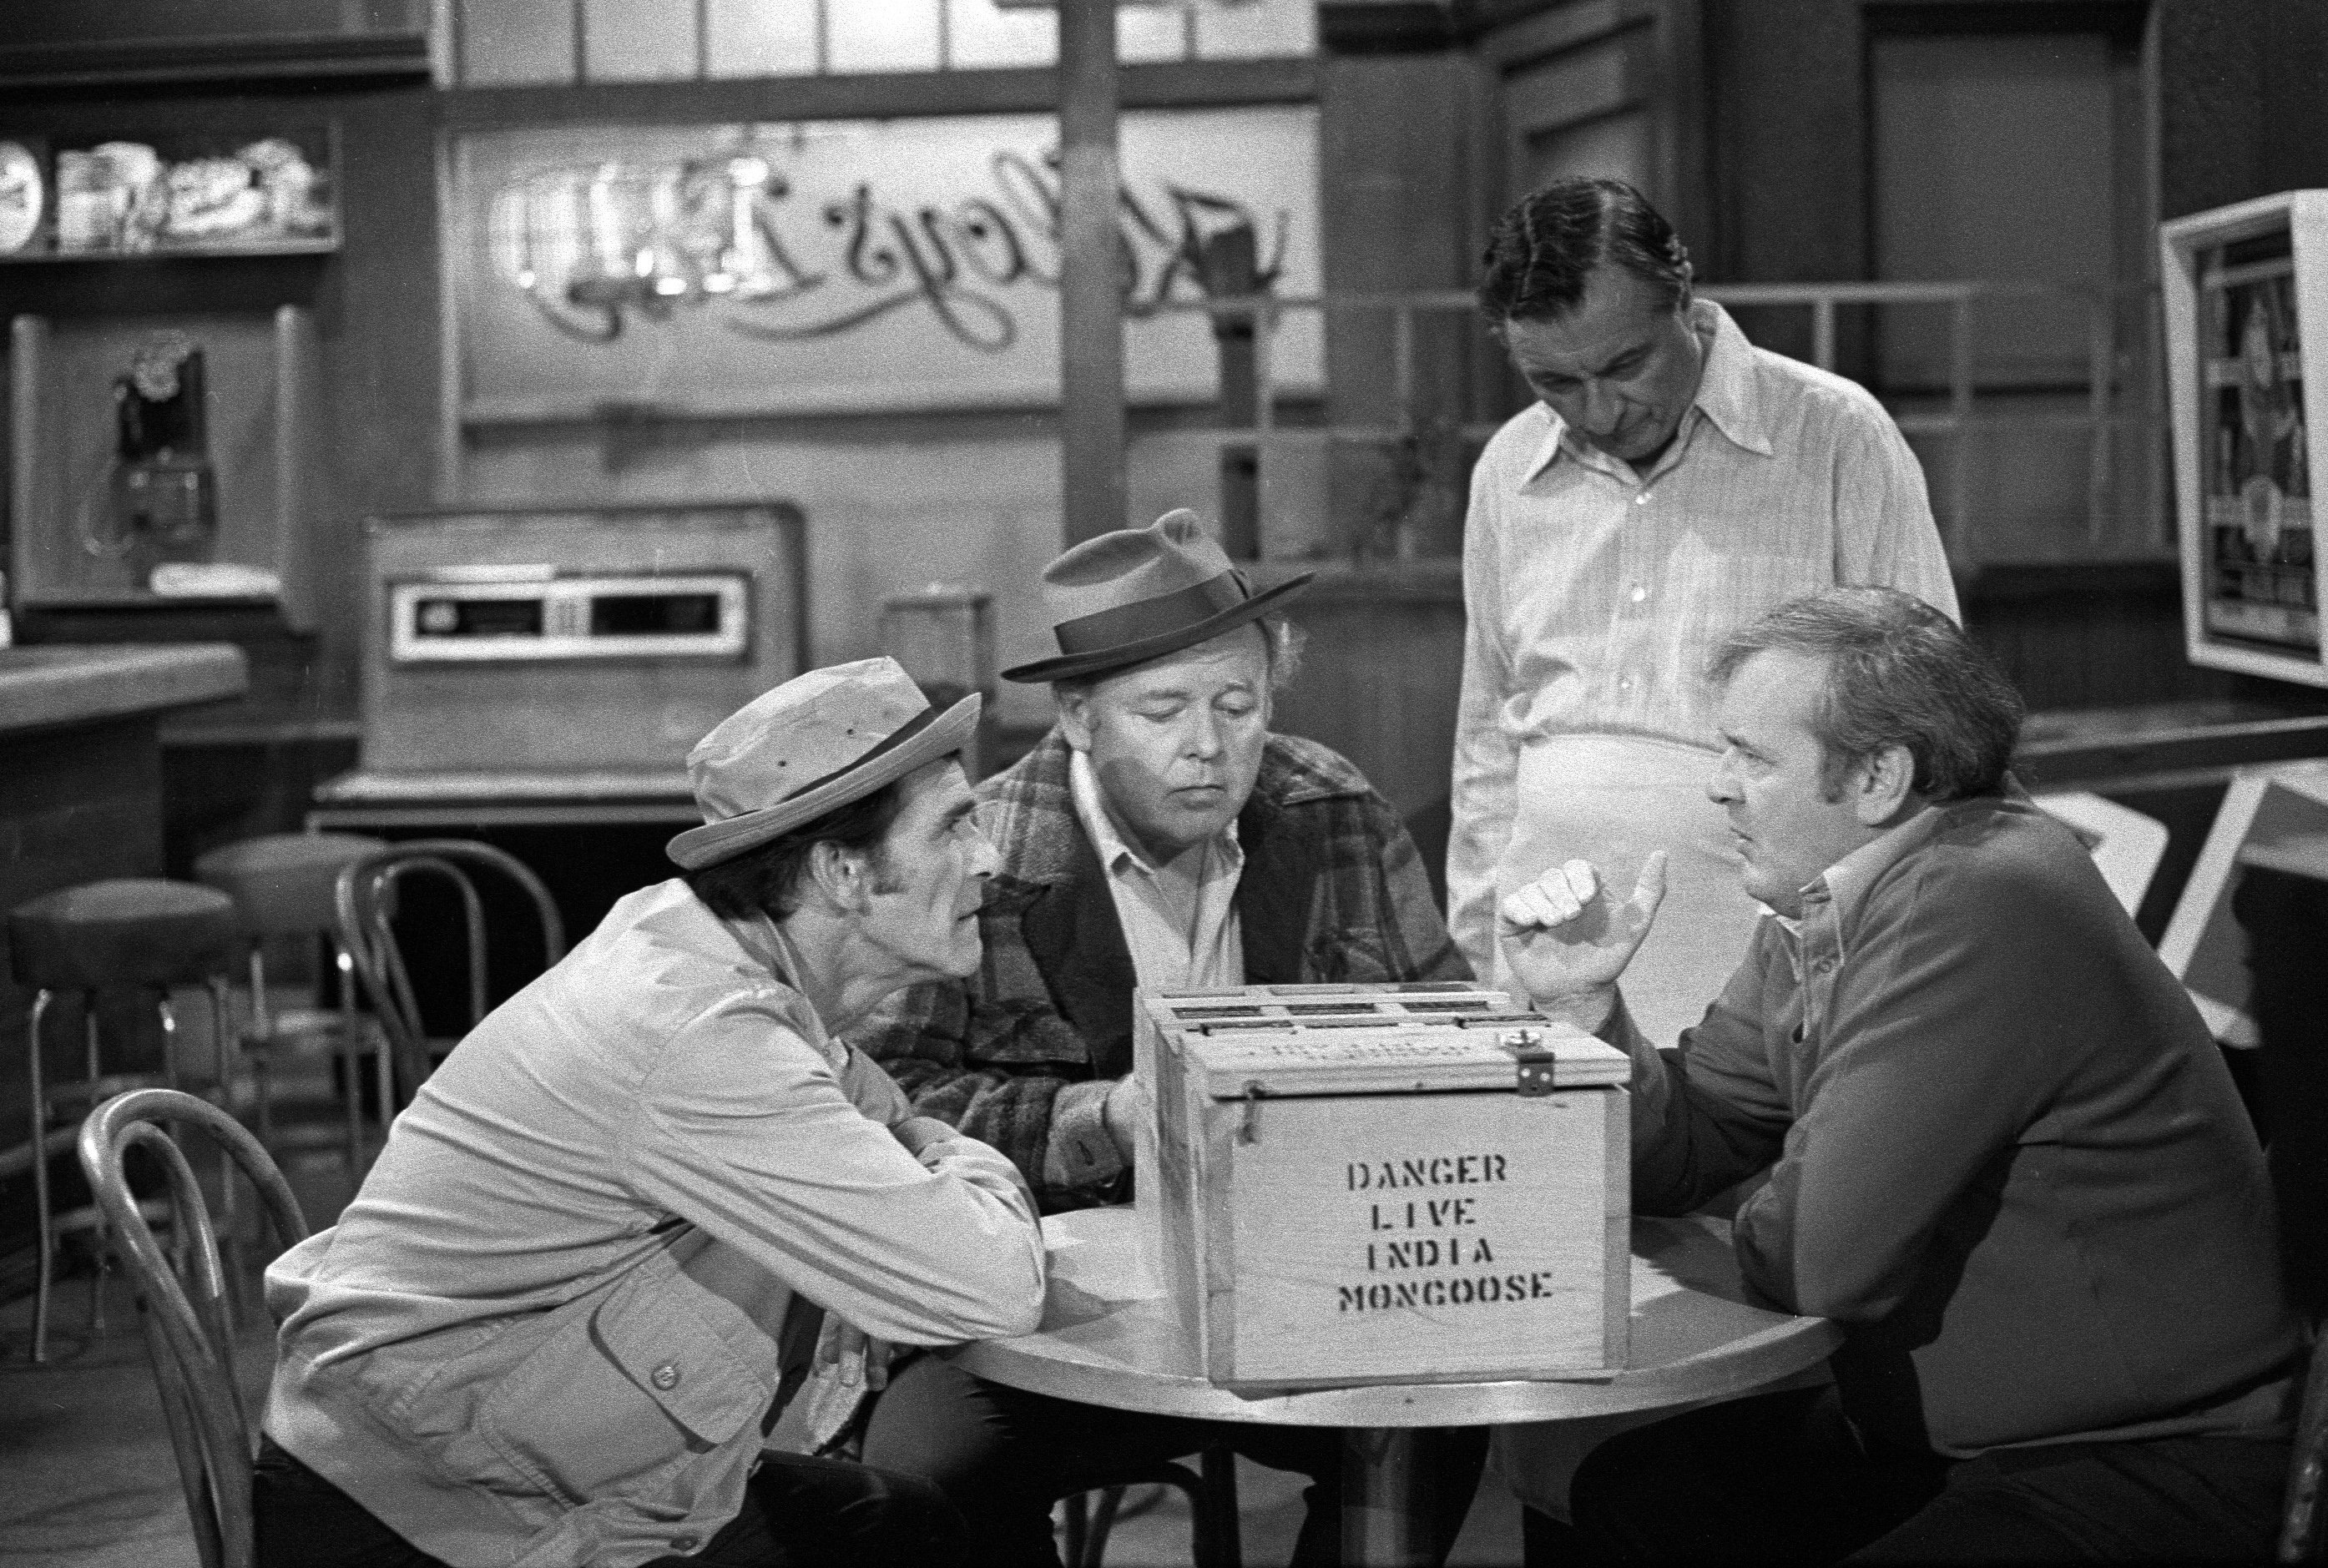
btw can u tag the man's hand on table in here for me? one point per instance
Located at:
(1120, 1113)
(1568, 937)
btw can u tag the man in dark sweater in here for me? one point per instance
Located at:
(1998, 1146)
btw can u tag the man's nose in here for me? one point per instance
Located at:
(1601, 408)
(1204, 733)
(1721, 788)
(985, 860)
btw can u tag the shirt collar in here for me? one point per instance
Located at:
(764, 940)
(1838, 893)
(1112, 848)
(1727, 392)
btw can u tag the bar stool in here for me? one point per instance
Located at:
(128, 932)
(282, 885)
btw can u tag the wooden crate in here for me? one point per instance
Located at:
(1385, 1184)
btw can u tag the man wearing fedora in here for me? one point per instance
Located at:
(550, 1327)
(1158, 836)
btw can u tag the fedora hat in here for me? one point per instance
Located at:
(1140, 593)
(818, 741)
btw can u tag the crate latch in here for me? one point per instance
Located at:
(1535, 1060)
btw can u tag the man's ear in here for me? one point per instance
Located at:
(1075, 719)
(842, 878)
(1886, 784)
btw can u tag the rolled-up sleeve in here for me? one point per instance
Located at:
(743, 1129)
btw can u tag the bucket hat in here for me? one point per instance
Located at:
(1140, 593)
(798, 750)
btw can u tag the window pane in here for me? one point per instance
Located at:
(986, 35)
(1994, 161)
(762, 37)
(882, 35)
(516, 41)
(637, 40)
(1256, 29)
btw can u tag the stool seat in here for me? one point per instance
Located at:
(128, 931)
(282, 883)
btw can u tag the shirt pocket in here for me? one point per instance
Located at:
(621, 1394)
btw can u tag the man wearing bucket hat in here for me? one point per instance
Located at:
(549, 1328)
(1158, 836)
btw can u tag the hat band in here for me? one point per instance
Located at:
(1145, 618)
(896, 737)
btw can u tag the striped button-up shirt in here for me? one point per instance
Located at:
(1596, 594)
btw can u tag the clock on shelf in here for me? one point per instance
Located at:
(24, 205)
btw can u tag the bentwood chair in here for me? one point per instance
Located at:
(284, 887)
(2301, 1538)
(188, 1322)
(370, 897)
(1212, 1512)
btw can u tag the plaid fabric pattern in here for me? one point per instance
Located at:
(1332, 891)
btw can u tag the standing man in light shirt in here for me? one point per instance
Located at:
(1673, 482)
(1160, 836)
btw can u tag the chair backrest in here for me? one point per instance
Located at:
(189, 1331)
(2126, 844)
(367, 899)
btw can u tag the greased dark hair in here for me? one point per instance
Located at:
(1540, 253)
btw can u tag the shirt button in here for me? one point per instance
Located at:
(1639, 593)
(1624, 683)
(1642, 499)
(665, 1377)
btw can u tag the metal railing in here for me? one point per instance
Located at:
(2120, 416)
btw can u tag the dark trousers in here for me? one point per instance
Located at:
(1782, 1478)
(798, 1513)
(1004, 1456)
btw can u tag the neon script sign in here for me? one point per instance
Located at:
(743, 230)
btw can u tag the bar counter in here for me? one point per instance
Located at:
(80, 787)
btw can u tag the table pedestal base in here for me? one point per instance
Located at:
(1388, 1506)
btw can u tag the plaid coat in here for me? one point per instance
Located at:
(1332, 891)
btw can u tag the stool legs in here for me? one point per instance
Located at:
(229, 1060)
(40, 1181)
(44, 1217)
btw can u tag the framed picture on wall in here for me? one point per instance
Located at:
(849, 266)
(2246, 298)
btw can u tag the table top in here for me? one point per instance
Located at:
(1111, 1336)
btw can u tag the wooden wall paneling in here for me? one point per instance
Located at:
(1393, 135)
(1786, 89)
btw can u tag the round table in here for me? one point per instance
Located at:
(1112, 1336)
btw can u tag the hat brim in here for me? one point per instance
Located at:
(1100, 660)
(713, 842)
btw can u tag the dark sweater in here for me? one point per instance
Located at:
(2002, 1149)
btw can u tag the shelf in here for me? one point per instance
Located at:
(140, 599)
(176, 253)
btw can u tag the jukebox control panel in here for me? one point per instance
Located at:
(491, 615)
(566, 641)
